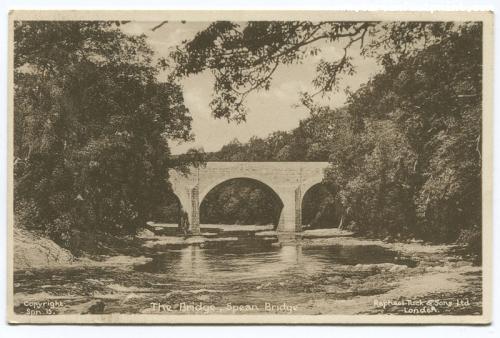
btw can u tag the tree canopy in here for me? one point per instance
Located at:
(243, 57)
(92, 126)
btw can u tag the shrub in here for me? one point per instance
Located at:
(471, 239)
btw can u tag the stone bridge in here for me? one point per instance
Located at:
(289, 180)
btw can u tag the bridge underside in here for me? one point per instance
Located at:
(290, 181)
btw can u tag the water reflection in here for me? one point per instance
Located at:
(235, 261)
(254, 259)
(291, 254)
(192, 262)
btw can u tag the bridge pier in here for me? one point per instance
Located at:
(290, 214)
(194, 222)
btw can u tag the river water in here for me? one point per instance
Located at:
(257, 260)
(245, 275)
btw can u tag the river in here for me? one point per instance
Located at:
(249, 274)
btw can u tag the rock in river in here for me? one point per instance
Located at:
(96, 307)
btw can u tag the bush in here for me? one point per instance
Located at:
(471, 239)
(60, 230)
(27, 215)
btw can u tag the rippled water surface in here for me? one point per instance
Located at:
(247, 260)
(249, 271)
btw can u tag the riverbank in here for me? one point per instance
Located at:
(440, 280)
(32, 251)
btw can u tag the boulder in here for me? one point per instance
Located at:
(146, 233)
(36, 251)
(335, 279)
(95, 307)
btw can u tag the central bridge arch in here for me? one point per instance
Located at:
(289, 180)
(203, 193)
(267, 208)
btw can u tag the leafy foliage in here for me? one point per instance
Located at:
(418, 154)
(243, 57)
(405, 151)
(92, 125)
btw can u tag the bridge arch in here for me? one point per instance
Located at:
(183, 198)
(308, 185)
(250, 181)
(320, 207)
(207, 187)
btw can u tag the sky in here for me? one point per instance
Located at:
(268, 111)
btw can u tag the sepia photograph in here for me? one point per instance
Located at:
(250, 167)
